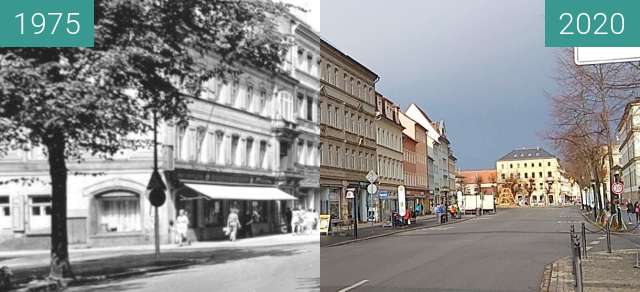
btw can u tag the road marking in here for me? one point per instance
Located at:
(602, 237)
(569, 222)
(440, 228)
(594, 242)
(589, 247)
(356, 285)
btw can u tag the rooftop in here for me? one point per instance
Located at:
(527, 154)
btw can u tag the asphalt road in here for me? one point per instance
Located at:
(503, 252)
(280, 268)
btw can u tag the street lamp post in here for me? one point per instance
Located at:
(549, 185)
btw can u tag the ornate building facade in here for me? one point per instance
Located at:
(347, 133)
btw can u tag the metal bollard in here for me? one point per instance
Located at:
(608, 238)
(578, 274)
(584, 240)
(573, 251)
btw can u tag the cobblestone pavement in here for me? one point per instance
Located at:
(601, 272)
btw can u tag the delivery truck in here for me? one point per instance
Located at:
(471, 204)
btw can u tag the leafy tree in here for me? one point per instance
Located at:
(148, 58)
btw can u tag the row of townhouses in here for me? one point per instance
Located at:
(252, 143)
(362, 130)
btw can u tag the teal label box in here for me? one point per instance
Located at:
(592, 23)
(46, 23)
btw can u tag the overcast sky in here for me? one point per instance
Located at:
(480, 65)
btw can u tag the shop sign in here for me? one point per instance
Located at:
(383, 194)
(350, 193)
(325, 221)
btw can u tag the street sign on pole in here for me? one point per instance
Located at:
(371, 176)
(372, 189)
(617, 188)
(402, 207)
(603, 55)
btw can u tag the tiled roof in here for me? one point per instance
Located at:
(486, 175)
(527, 154)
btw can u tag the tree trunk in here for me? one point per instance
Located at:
(60, 266)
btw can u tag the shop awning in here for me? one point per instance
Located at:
(225, 192)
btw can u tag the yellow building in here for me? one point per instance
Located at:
(537, 174)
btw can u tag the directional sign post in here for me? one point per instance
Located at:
(372, 176)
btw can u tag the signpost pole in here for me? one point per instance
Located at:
(355, 215)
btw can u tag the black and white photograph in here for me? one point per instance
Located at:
(179, 153)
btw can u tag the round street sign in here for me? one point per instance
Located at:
(617, 188)
(372, 189)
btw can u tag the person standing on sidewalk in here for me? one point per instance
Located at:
(637, 209)
(233, 223)
(182, 227)
(630, 211)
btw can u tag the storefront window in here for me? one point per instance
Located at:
(215, 215)
(334, 205)
(118, 212)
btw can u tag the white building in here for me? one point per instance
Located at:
(630, 150)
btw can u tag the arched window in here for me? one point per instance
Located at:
(116, 211)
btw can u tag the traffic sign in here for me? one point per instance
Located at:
(350, 194)
(372, 176)
(604, 55)
(372, 189)
(617, 188)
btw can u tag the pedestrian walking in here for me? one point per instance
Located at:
(233, 224)
(182, 227)
(637, 209)
(630, 211)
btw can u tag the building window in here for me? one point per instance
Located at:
(248, 159)
(249, 105)
(510, 165)
(200, 134)
(548, 173)
(40, 206)
(5, 207)
(548, 163)
(309, 109)
(235, 88)
(263, 154)
(118, 212)
(235, 139)
(179, 142)
(262, 102)
(215, 215)
(218, 146)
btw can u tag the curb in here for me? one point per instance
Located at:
(56, 286)
(392, 233)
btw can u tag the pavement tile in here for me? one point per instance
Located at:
(601, 272)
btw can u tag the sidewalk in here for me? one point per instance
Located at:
(601, 272)
(91, 264)
(366, 231)
(633, 228)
